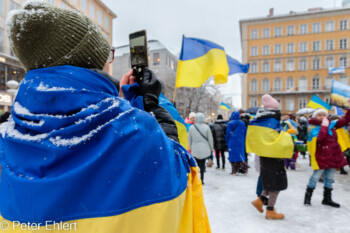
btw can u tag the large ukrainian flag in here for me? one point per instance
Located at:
(266, 138)
(199, 60)
(316, 102)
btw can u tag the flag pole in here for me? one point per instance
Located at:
(174, 98)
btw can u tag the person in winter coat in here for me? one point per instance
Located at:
(267, 138)
(302, 132)
(235, 139)
(200, 140)
(245, 117)
(219, 133)
(77, 150)
(325, 152)
(190, 120)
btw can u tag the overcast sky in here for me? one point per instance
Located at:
(217, 21)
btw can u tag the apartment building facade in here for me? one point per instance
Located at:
(291, 55)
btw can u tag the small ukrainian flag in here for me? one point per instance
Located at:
(316, 102)
(225, 106)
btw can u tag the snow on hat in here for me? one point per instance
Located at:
(318, 112)
(192, 114)
(43, 35)
(269, 102)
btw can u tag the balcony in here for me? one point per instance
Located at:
(292, 90)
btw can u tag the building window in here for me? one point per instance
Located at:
(303, 84)
(2, 7)
(278, 84)
(303, 64)
(156, 59)
(253, 103)
(303, 29)
(329, 26)
(63, 5)
(316, 83)
(14, 6)
(266, 50)
(343, 79)
(302, 103)
(106, 22)
(254, 68)
(290, 48)
(52, 2)
(254, 51)
(99, 17)
(277, 67)
(316, 46)
(329, 82)
(1, 40)
(329, 62)
(316, 63)
(278, 31)
(266, 84)
(254, 34)
(290, 65)
(278, 49)
(254, 85)
(266, 67)
(343, 43)
(343, 61)
(290, 104)
(92, 11)
(303, 47)
(343, 24)
(316, 27)
(290, 83)
(75, 2)
(329, 44)
(290, 30)
(83, 5)
(266, 33)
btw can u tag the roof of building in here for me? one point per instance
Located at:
(152, 45)
(312, 11)
(107, 8)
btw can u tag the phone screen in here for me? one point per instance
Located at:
(138, 50)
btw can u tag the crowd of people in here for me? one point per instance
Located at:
(276, 140)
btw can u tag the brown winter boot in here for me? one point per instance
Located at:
(258, 204)
(272, 214)
(210, 163)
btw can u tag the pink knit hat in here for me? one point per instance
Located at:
(269, 102)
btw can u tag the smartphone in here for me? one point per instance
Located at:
(138, 50)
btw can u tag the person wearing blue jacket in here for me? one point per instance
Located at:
(235, 138)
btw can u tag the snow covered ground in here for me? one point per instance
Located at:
(228, 200)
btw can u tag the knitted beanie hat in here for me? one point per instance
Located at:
(42, 35)
(269, 102)
(319, 111)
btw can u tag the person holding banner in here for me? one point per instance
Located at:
(326, 154)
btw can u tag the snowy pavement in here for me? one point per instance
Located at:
(228, 200)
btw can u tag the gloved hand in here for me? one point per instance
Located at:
(150, 89)
(325, 122)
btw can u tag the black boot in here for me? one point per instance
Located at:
(264, 199)
(217, 162)
(342, 171)
(327, 198)
(308, 195)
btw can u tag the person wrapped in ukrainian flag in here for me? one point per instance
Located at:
(267, 139)
(326, 142)
(75, 155)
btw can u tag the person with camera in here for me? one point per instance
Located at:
(75, 151)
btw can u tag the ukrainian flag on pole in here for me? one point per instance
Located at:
(225, 106)
(317, 102)
(199, 60)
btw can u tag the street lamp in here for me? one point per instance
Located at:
(12, 86)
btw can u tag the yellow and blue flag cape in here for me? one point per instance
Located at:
(75, 153)
(313, 131)
(199, 60)
(179, 121)
(316, 102)
(225, 106)
(266, 138)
